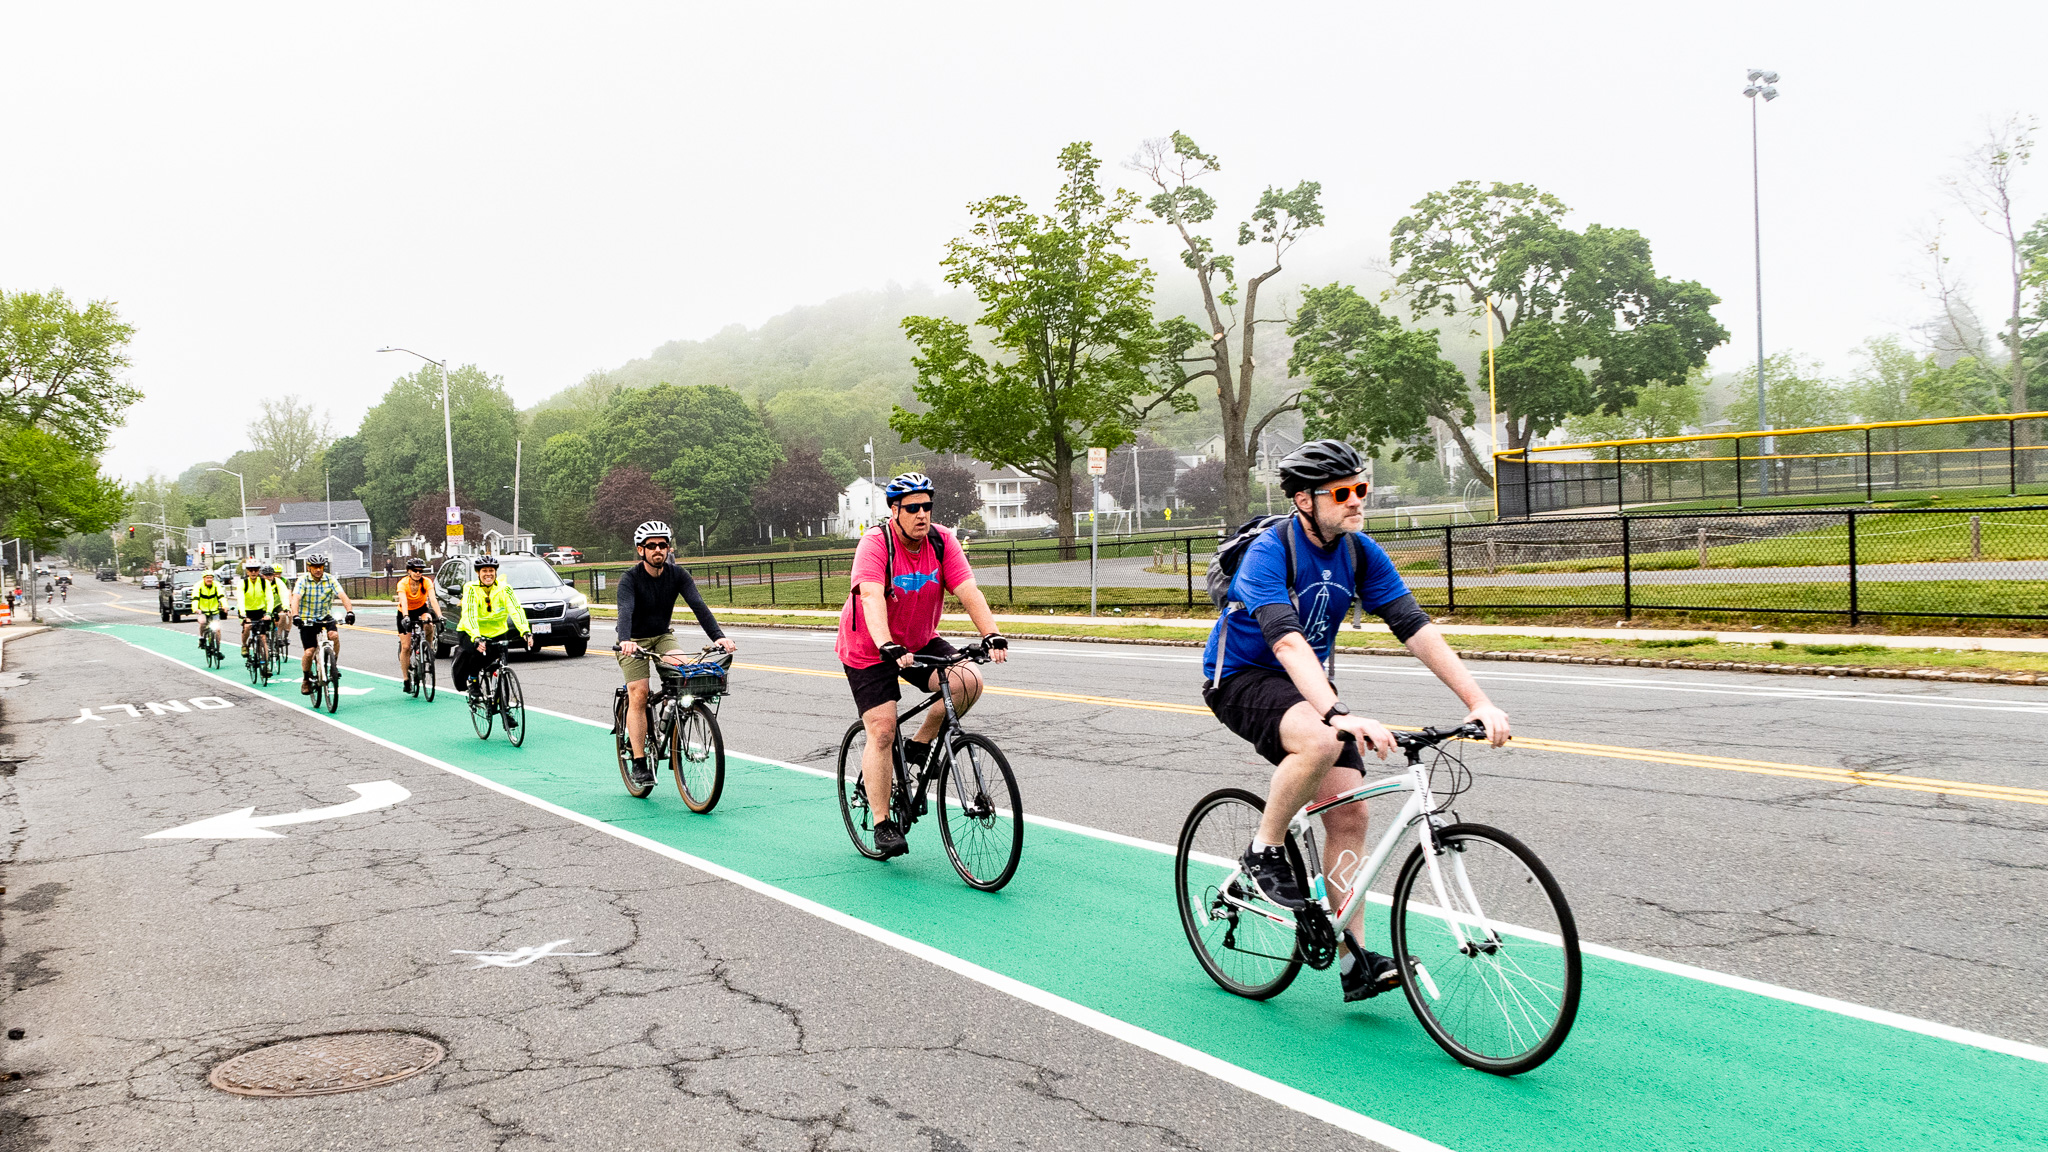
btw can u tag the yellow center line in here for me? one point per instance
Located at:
(115, 598)
(1645, 755)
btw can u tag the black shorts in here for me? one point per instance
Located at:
(407, 619)
(878, 685)
(256, 615)
(1251, 703)
(309, 634)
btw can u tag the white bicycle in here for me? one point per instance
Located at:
(1486, 943)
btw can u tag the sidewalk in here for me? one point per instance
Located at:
(1958, 643)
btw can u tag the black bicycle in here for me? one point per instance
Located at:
(494, 696)
(280, 645)
(682, 727)
(209, 640)
(256, 653)
(421, 663)
(983, 825)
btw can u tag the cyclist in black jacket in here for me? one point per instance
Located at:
(647, 605)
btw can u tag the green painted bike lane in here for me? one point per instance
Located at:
(1655, 1060)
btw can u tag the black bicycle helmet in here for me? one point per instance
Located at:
(486, 562)
(1317, 462)
(415, 565)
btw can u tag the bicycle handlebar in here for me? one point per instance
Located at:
(1431, 737)
(978, 653)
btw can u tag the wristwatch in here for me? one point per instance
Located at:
(1337, 709)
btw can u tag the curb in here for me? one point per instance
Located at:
(34, 630)
(1827, 670)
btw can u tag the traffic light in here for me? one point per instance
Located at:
(131, 531)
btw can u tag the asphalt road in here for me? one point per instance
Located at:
(713, 1012)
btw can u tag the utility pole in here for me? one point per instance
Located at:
(518, 446)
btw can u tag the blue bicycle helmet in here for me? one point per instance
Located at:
(905, 484)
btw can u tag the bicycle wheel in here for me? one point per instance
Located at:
(250, 658)
(623, 749)
(423, 674)
(1492, 956)
(325, 663)
(853, 794)
(480, 703)
(983, 826)
(512, 706)
(1247, 945)
(263, 661)
(696, 751)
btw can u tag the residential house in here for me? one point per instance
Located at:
(337, 529)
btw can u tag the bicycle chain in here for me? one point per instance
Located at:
(1315, 938)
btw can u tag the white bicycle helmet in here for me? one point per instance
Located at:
(651, 528)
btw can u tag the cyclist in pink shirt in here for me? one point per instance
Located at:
(901, 574)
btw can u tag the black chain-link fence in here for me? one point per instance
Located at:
(1968, 562)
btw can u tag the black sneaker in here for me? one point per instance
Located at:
(889, 840)
(511, 722)
(643, 772)
(915, 753)
(1370, 973)
(1268, 871)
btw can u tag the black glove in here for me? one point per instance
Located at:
(996, 642)
(349, 619)
(892, 652)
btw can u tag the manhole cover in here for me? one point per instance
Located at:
(325, 1064)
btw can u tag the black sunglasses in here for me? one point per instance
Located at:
(654, 544)
(914, 509)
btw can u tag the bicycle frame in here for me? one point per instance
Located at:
(929, 774)
(1417, 812)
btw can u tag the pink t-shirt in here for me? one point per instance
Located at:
(916, 597)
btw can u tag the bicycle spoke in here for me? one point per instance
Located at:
(1249, 951)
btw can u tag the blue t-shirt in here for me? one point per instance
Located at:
(1323, 583)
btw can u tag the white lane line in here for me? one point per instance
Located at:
(1282, 1094)
(1904, 1023)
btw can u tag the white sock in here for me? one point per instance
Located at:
(1259, 843)
(1347, 960)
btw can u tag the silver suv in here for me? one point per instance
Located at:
(559, 614)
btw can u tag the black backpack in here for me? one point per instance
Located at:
(938, 542)
(1230, 554)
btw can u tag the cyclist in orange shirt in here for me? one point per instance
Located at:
(416, 604)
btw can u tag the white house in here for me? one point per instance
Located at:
(861, 506)
(1004, 493)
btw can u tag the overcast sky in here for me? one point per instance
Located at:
(271, 192)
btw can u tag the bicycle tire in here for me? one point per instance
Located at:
(696, 756)
(480, 704)
(512, 706)
(622, 749)
(1522, 991)
(424, 675)
(984, 843)
(1218, 829)
(263, 674)
(325, 662)
(250, 652)
(854, 809)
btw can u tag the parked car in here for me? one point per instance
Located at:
(564, 556)
(174, 593)
(560, 615)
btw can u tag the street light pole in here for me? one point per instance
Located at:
(447, 421)
(243, 488)
(1764, 84)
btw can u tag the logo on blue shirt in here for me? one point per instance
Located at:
(912, 581)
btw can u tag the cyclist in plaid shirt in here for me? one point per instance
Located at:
(312, 606)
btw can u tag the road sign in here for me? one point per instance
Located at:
(1098, 461)
(454, 522)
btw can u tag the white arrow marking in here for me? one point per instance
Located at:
(246, 825)
(353, 691)
(519, 957)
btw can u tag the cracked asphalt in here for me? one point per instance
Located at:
(718, 1018)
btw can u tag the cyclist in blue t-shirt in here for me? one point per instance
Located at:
(1267, 664)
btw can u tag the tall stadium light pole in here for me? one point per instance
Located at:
(447, 422)
(1764, 84)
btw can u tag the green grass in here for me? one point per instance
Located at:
(1959, 597)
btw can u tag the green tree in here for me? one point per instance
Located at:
(1174, 164)
(1584, 320)
(701, 443)
(796, 493)
(569, 476)
(59, 367)
(403, 451)
(1069, 316)
(342, 465)
(50, 488)
(293, 434)
(1672, 410)
(573, 409)
(1984, 186)
(1371, 380)
(1798, 396)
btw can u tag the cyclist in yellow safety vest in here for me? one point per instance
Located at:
(257, 601)
(491, 614)
(209, 603)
